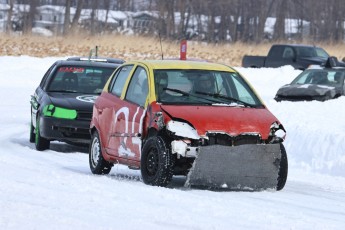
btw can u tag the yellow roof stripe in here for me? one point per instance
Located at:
(178, 64)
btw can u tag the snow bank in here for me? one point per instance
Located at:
(315, 130)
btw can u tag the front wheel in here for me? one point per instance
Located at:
(283, 169)
(98, 164)
(157, 162)
(41, 143)
(32, 132)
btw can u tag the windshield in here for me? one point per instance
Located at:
(326, 77)
(79, 79)
(203, 87)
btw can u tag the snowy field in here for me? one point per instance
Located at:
(55, 189)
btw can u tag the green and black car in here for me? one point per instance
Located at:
(61, 107)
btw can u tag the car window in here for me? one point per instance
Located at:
(321, 53)
(320, 77)
(311, 52)
(243, 92)
(120, 80)
(288, 53)
(46, 75)
(335, 78)
(138, 87)
(305, 52)
(79, 79)
(303, 78)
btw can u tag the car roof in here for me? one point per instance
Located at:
(297, 45)
(87, 63)
(97, 59)
(181, 64)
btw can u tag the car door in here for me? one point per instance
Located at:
(127, 118)
(280, 56)
(109, 112)
(135, 104)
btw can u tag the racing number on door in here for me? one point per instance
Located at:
(128, 141)
(128, 123)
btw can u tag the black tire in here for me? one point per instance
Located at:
(157, 162)
(41, 143)
(283, 169)
(32, 133)
(98, 164)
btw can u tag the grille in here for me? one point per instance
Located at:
(82, 115)
(227, 140)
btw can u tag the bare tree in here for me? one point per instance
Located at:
(76, 17)
(262, 14)
(93, 17)
(213, 20)
(182, 8)
(28, 24)
(169, 4)
(106, 6)
(67, 21)
(9, 16)
(279, 26)
(166, 18)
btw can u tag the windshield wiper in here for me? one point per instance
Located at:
(177, 91)
(193, 95)
(217, 95)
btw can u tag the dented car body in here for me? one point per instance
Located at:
(168, 118)
(319, 84)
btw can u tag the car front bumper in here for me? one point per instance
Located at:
(66, 130)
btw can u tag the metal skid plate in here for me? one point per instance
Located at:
(244, 167)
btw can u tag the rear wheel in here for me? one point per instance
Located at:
(98, 164)
(283, 169)
(157, 162)
(41, 143)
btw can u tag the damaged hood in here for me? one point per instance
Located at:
(306, 90)
(224, 119)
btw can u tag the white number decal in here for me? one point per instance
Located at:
(123, 150)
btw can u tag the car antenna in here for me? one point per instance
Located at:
(160, 41)
(91, 51)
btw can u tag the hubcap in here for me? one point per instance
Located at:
(95, 151)
(152, 162)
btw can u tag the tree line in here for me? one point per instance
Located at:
(220, 20)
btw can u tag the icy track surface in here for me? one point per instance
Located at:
(55, 189)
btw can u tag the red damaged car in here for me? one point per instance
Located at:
(197, 119)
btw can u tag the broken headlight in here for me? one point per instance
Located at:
(277, 133)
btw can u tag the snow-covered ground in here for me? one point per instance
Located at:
(55, 189)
